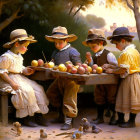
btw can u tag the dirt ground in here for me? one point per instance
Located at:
(108, 132)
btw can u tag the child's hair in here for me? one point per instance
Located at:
(119, 38)
(20, 42)
(94, 41)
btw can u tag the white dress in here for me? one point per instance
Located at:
(30, 98)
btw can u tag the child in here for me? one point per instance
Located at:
(62, 93)
(103, 93)
(128, 97)
(27, 96)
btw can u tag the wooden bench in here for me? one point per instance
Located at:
(4, 107)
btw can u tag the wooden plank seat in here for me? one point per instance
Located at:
(4, 107)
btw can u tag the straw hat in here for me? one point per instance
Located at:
(94, 35)
(120, 31)
(19, 35)
(60, 33)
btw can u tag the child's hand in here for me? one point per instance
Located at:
(14, 86)
(109, 71)
(28, 71)
(88, 57)
(105, 66)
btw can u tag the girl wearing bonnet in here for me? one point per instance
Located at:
(28, 97)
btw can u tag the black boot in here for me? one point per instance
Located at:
(68, 123)
(130, 123)
(60, 118)
(100, 113)
(113, 117)
(29, 121)
(120, 120)
(41, 119)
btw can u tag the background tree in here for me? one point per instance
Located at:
(77, 5)
(11, 10)
(94, 21)
(134, 5)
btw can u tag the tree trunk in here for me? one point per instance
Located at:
(137, 16)
(6, 22)
(77, 10)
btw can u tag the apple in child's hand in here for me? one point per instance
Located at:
(50, 64)
(73, 70)
(99, 70)
(81, 70)
(40, 62)
(34, 63)
(95, 66)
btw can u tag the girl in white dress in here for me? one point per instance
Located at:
(28, 97)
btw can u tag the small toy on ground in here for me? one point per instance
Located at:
(86, 124)
(43, 134)
(96, 129)
(78, 133)
(17, 128)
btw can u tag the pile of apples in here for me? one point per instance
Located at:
(69, 67)
(78, 69)
(41, 63)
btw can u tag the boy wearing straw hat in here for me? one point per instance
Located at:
(103, 93)
(62, 93)
(27, 96)
(128, 97)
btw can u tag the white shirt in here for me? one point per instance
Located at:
(110, 58)
(11, 62)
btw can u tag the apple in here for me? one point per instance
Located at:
(46, 65)
(50, 64)
(55, 68)
(62, 68)
(40, 62)
(68, 62)
(94, 71)
(99, 70)
(89, 69)
(81, 70)
(69, 66)
(84, 65)
(34, 63)
(73, 70)
(94, 66)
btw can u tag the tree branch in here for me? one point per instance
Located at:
(129, 5)
(77, 10)
(7, 21)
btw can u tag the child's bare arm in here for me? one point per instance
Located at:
(7, 79)
(117, 70)
(28, 71)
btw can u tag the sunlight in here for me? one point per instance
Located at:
(118, 14)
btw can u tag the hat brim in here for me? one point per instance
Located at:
(30, 38)
(114, 36)
(86, 44)
(70, 37)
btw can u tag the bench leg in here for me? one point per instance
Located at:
(4, 110)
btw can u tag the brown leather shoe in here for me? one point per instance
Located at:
(66, 126)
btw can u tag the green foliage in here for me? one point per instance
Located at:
(95, 21)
